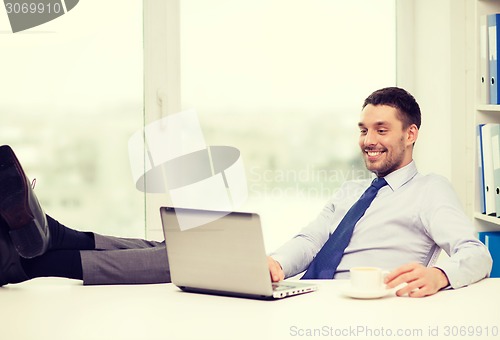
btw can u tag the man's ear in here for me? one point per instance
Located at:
(412, 134)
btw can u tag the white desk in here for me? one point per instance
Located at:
(30, 311)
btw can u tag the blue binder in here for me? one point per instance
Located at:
(488, 170)
(493, 48)
(495, 152)
(480, 170)
(492, 241)
(482, 235)
(483, 59)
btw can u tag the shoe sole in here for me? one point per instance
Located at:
(10, 267)
(26, 233)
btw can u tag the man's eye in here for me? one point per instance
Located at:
(382, 131)
(363, 132)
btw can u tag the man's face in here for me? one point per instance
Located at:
(384, 144)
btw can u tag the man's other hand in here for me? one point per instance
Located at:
(421, 281)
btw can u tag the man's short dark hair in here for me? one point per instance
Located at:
(401, 100)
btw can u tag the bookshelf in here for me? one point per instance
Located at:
(483, 112)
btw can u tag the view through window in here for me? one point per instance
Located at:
(284, 81)
(72, 95)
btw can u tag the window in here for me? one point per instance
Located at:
(72, 95)
(284, 81)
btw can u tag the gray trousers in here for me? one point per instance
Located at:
(125, 261)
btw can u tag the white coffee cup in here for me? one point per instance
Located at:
(368, 278)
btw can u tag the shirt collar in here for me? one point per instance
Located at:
(398, 178)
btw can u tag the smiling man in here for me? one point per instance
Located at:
(385, 141)
(410, 219)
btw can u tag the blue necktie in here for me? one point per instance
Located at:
(324, 265)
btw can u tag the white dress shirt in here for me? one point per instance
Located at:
(409, 219)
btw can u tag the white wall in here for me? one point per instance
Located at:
(436, 74)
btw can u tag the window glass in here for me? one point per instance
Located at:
(284, 82)
(72, 94)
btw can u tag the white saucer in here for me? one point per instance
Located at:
(349, 291)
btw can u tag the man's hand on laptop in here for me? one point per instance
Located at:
(275, 270)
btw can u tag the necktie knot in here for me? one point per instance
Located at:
(379, 182)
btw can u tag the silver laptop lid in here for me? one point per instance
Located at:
(225, 254)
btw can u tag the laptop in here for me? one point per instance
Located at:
(221, 253)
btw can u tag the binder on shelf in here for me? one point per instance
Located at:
(484, 67)
(480, 173)
(495, 152)
(482, 236)
(488, 171)
(492, 56)
(492, 242)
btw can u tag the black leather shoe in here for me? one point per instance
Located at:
(20, 209)
(11, 270)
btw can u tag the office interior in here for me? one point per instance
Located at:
(279, 80)
(71, 104)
